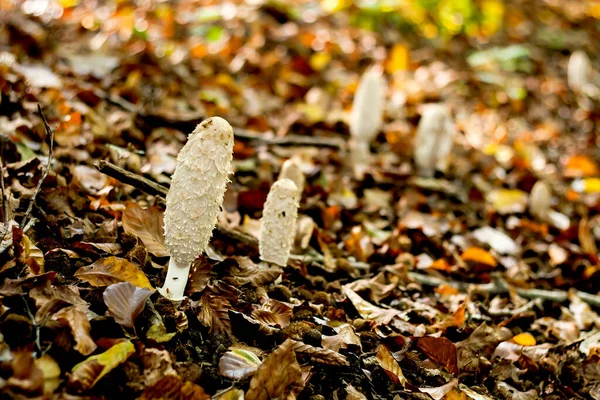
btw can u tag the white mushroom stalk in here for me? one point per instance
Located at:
(366, 118)
(434, 140)
(580, 73)
(291, 170)
(278, 223)
(195, 199)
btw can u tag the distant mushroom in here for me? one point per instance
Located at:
(580, 73)
(291, 170)
(366, 117)
(278, 223)
(195, 199)
(434, 140)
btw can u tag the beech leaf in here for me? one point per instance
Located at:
(148, 225)
(390, 366)
(110, 270)
(238, 363)
(440, 350)
(125, 302)
(80, 328)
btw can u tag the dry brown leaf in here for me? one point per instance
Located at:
(147, 224)
(353, 394)
(390, 366)
(199, 276)
(171, 387)
(345, 336)
(369, 311)
(279, 376)
(441, 350)
(26, 376)
(247, 271)
(157, 364)
(377, 287)
(274, 313)
(109, 270)
(80, 328)
(320, 355)
(125, 302)
(586, 240)
(214, 313)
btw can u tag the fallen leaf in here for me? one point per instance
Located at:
(172, 387)
(87, 373)
(148, 225)
(390, 366)
(443, 392)
(110, 270)
(213, 313)
(497, 240)
(508, 201)
(238, 363)
(278, 377)
(524, 339)
(440, 350)
(274, 313)
(477, 255)
(80, 328)
(580, 166)
(125, 302)
(345, 336)
(51, 372)
(369, 311)
(320, 355)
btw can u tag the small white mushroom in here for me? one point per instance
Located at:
(368, 105)
(434, 140)
(291, 170)
(195, 199)
(539, 200)
(278, 223)
(366, 117)
(580, 72)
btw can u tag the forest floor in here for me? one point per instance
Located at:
(399, 286)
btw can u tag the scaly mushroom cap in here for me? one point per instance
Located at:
(434, 140)
(291, 170)
(197, 189)
(278, 223)
(368, 106)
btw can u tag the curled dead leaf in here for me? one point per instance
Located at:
(80, 328)
(440, 350)
(125, 302)
(390, 366)
(148, 225)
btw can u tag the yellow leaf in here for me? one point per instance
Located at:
(320, 60)
(524, 339)
(109, 270)
(506, 201)
(455, 394)
(476, 254)
(586, 185)
(87, 373)
(399, 59)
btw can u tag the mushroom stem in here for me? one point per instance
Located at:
(176, 281)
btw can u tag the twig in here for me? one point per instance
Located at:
(4, 197)
(46, 171)
(153, 188)
(133, 179)
(9, 243)
(188, 122)
(38, 330)
(558, 296)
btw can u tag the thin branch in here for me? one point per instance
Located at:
(153, 188)
(500, 286)
(131, 178)
(3, 190)
(46, 171)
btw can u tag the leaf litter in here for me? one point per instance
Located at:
(478, 279)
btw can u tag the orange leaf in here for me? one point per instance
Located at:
(478, 255)
(579, 166)
(446, 290)
(524, 339)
